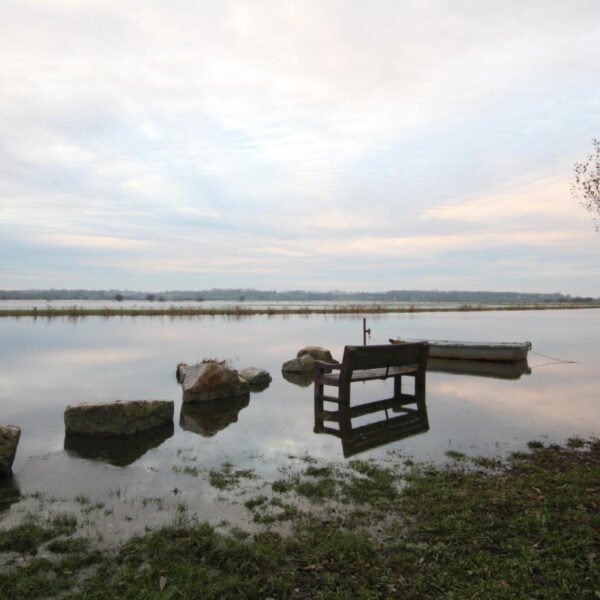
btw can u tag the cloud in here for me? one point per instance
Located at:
(274, 139)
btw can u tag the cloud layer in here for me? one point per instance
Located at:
(282, 145)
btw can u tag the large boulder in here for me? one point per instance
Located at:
(305, 360)
(117, 419)
(258, 379)
(9, 440)
(211, 380)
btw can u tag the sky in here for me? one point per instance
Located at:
(330, 144)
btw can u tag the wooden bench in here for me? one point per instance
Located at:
(366, 363)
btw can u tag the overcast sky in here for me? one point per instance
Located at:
(356, 145)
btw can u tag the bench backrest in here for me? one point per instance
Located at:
(385, 355)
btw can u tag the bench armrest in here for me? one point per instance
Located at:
(325, 367)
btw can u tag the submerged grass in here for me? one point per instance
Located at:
(529, 529)
(227, 477)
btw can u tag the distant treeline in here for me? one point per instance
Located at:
(242, 295)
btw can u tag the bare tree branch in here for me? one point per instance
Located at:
(586, 187)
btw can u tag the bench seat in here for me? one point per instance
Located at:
(369, 374)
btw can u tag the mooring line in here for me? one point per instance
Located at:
(556, 360)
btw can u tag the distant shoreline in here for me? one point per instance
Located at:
(242, 311)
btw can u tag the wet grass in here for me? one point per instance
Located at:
(26, 537)
(527, 529)
(238, 311)
(227, 477)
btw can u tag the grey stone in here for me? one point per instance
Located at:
(9, 440)
(305, 360)
(180, 371)
(258, 379)
(318, 353)
(211, 380)
(117, 419)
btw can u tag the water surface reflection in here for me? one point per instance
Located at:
(46, 365)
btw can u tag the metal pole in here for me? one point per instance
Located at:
(365, 331)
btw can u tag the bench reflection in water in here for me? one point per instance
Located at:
(392, 419)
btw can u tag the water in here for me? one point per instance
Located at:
(47, 364)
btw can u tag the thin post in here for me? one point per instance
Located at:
(365, 331)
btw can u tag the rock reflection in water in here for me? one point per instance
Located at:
(259, 386)
(301, 379)
(209, 417)
(9, 492)
(117, 451)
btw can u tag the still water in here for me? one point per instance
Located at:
(47, 364)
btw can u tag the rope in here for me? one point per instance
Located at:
(553, 358)
(549, 364)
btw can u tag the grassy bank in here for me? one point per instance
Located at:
(479, 528)
(247, 311)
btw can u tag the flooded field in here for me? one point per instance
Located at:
(118, 488)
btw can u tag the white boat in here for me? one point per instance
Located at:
(491, 351)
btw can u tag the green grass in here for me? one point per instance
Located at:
(526, 529)
(227, 477)
(26, 537)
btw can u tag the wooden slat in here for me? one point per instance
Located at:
(369, 374)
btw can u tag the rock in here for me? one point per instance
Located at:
(302, 364)
(258, 379)
(117, 419)
(305, 360)
(180, 371)
(318, 353)
(211, 380)
(9, 440)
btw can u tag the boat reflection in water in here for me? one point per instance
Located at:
(479, 368)
(394, 420)
(117, 451)
(209, 417)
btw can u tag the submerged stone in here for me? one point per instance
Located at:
(258, 379)
(9, 440)
(118, 419)
(211, 380)
(317, 353)
(180, 371)
(305, 360)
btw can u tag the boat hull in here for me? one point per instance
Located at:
(495, 352)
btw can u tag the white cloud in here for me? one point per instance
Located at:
(286, 135)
